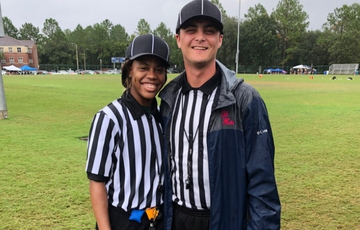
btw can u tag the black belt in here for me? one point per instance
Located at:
(191, 211)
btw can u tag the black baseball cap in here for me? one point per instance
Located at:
(148, 44)
(200, 8)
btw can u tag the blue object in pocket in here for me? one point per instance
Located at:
(136, 215)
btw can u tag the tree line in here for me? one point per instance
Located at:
(275, 39)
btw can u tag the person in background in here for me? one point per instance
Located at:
(124, 156)
(218, 138)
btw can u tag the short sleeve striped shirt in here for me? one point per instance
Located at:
(125, 151)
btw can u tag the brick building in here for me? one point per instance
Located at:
(18, 52)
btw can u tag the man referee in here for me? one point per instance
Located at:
(218, 137)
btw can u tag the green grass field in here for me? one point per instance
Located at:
(43, 185)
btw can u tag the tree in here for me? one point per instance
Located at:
(260, 46)
(219, 5)
(343, 27)
(118, 33)
(162, 31)
(310, 51)
(107, 25)
(56, 47)
(291, 22)
(100, 42)
(93, 52)
(9, 28)
(166, 34)
(262, 38)
(143, 27)
(29, 32)
(51, 26)
(78, 37)
(227, 53)
(120, 40)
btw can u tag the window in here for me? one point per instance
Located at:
(31, 60)
(19, 49)
(10, 49)
(11, 60)
(20, 60)
(29, 50)
(1, 49)
(3, 61)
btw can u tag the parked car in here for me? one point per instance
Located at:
(63, 72)
(99, 72)
(81, 71)
(42, 72)
(173, 70)
(112, 71)
(60, 72)
(89, 72)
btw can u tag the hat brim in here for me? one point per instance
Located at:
(167, 64)
(218, 25)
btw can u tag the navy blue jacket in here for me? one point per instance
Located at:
(241, 157)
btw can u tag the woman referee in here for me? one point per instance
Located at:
(124, 157)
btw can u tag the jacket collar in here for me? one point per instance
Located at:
(228, 82)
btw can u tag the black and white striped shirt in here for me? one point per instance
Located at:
(188, 140)
(125, 151)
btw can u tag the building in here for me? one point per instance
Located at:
(18, 52)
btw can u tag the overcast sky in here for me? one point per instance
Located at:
(70, 13)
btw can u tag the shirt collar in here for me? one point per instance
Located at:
(207, 87)
(136, 109)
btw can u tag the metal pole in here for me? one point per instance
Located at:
(237, 45)
(84, 60)
(101, 64)
(2, 33)
(3, 107)
(77, 58)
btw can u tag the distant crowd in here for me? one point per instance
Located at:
(303, 71)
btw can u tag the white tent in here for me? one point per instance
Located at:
(11, 68)
(301, 67)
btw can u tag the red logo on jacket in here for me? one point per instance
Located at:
(226, 118)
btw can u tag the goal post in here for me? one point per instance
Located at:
(348, 69)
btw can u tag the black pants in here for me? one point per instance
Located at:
(190, 219)
(119, 220)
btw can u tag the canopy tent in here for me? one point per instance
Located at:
(11, 68)
(301, 67)
(27, 68)
(270, 70)
(277, 70)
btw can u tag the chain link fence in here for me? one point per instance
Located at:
(57, 67)
(259, 69)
